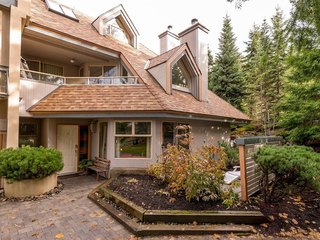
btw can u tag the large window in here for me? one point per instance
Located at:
(133, 140)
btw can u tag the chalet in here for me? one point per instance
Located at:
(89, 88)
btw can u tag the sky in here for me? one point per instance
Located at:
(151, 17)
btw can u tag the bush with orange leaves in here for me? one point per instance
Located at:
(199, 174)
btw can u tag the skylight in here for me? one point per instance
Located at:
(62, 10)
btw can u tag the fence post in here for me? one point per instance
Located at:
(243, 172)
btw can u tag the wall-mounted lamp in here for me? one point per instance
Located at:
(72, 60)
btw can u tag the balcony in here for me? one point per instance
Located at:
(60, 80)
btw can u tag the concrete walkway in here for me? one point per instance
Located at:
(68, 215)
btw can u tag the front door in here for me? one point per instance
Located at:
(67, 143)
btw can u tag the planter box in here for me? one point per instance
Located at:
(30, 187)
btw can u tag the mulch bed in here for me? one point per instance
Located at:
(295, 215)
(150, 193)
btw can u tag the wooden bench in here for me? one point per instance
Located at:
(100, 165)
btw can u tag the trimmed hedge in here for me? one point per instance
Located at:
(29, 162)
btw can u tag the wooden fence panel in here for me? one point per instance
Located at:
(250, 173)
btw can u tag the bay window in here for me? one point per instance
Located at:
(133, 139)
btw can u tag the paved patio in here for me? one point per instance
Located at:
(69, 213)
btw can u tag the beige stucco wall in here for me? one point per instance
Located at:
(49, 129)
(159, 73)
(18, 16)
(4, 36)
(203, 132)
(30, 187)
(208, 133)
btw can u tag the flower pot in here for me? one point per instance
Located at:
(30, 187)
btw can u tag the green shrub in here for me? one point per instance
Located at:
(290, 165)
(200, 174)
(232, 154)
(29, 162)
(85, 163)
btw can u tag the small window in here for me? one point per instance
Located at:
(62, 10)
(3, 79)
(133, 140)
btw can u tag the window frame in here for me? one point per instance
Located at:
(190, 70)
(133, 135)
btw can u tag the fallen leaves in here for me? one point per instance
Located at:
(264, 225)
(283, 215)
(133, 180)
(59, 236)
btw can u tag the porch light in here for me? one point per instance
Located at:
(72, 60)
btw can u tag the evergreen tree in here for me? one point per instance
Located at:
(300, 106)
(226, 79)
(264, 71)
(251, 72)
(279, 47)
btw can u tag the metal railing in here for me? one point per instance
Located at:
(55, 79)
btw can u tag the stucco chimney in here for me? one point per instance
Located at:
(197, 38)
(168, 40)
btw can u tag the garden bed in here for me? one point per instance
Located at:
(150, 193)
(296, 214)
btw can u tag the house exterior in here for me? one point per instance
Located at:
(89, 88)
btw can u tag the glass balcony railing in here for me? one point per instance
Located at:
(59, 80)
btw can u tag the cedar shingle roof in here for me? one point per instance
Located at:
(149, 97)
(98, 98)
(163, 57)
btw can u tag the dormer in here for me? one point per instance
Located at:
(177, 69)
(117, 23)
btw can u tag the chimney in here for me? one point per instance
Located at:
(168, 40)
(197, 38)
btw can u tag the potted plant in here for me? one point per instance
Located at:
(29, 171)
(84, 164)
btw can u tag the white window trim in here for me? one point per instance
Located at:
(133, 135)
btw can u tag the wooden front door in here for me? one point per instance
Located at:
(67, 143)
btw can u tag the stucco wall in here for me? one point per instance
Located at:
(49, 129)
(208, 133)
(203, 132)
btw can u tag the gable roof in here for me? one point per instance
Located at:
(181, 102)
(164, 57)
